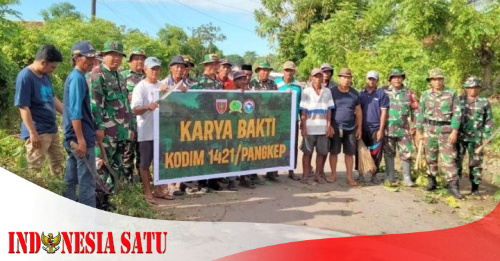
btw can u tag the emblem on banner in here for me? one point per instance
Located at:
(221, 105)
(235, 106)
(51, 242)
(248, 106)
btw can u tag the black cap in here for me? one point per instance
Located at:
(177, 60)
(246, 67)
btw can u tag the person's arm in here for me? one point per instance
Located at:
(384, 107)
(488, 120)
(97, 103)
(455, 119)
(76, 95)
(303, 127)
(137, 104)
(28, 122)
(58, 104)
(359, 121)
(420, 118)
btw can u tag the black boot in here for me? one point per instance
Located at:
(431, 183)
(474, 188)
(453, 189)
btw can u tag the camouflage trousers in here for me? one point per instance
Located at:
(403, 145)
(475, 160)
(436, 143)
(114, 152)
(130, 154)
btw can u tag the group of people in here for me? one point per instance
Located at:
(108, 118)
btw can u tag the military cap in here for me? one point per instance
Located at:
(471, 82)
(345, 72)
(263, 65)
(83, 48)
(113, 46)
(210, 58)
(289, 65)
(188, 60)
(435, 73)
(396, 72)
(177, 60)
(136, 51)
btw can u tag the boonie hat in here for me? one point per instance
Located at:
(472, 81)
(345, 72)
(263, 65)
(435, 73)
(396, 72)
(210, 58)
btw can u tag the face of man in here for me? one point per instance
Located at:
(396, 81)
(327, 75)
(48, 68)
(316, 80)
(224, 70)
(211, 68)
(249, 74)
(240, 83)
(288, 75)
(152, 74)
(177, 71)
(137, 63)
(437, 83)
(263, 74)
(345, 81)
(85, 63)
(371, 83)
(187, 70)
(113, 60)
(473, 92)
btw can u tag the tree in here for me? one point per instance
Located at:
(250, 57)
(61, 10)
(235, 59)
(208, 35)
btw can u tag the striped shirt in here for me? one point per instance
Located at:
(316, 107)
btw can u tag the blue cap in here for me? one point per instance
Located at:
(152, 62)
(83, 48)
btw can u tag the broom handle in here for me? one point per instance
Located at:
(419, 154)
(487, 141)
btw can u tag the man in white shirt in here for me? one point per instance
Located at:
(144, 102)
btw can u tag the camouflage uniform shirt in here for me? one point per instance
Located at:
(132, 78)
(439, 107)
(206, 82)
(399, 110)
(477, 119)
(262, 86)
(109, 103)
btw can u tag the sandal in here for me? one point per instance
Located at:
(151, 201)
(166, 196)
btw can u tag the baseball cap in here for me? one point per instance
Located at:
(152, 62)
(372, 74)
(326, 67)
(178, 59)
(316, 71)
(225, 62)
(83, 48)
(238, 74)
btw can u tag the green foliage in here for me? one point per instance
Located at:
(61, 10)
(235, 59)
(130, 201)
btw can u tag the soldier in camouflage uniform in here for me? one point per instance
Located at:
(133, 76)
(438, 119)
(189, 65)
(209, 81)
(263, 83)
(477, 124)
(209, 78)
(110, 107)
(397, 130)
